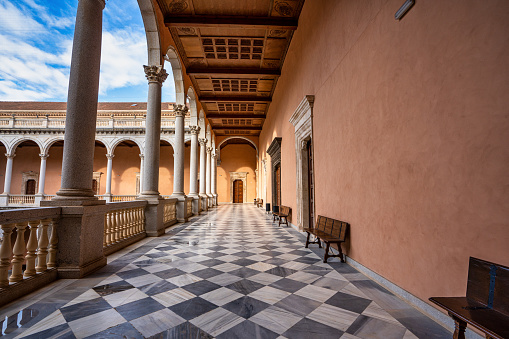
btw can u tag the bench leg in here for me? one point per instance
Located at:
(460, 326)
(341, 255)
(326, 255)
(307, 240)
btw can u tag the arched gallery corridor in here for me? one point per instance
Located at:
(245, 278)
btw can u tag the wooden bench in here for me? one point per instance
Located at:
(259, 202)
(486, 305)
(330, 231)
(282, 215)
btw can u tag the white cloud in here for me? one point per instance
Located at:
(16, 22)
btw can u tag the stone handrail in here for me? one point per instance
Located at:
(120, 198)
(124, 220)
(170, 212)
(111, 123)
(39, 254)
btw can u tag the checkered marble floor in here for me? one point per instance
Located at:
(245, 278)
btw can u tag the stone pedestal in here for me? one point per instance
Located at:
(154, 217)
(80, 233)
(181, 208)
(203, 178)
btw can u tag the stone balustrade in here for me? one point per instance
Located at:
(124, 224)
(119, 198)
(21, 200)
(170, 212)
(27, 264)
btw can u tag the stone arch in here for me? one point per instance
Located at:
(201, 123)
(151, 25)
(12, 149)
(218, 150)
(117, 142)
(4, 143)
(169, 140)
(176, 67)
(51, 142)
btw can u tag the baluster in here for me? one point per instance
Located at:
(118, 219)
(137, 219)
(133, 221)
(142, 219)
(107, 226)
(105, 232)
(113, 221)
(42, 252)
(122, 224)
(5, 254)
(31, 249)
(18, 252)
(52, 260)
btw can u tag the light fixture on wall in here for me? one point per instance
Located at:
(404, 9)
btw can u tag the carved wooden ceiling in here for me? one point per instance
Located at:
(233, 51)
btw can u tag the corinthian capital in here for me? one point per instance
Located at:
(155, 74)
(194, 130)
(202, 141)
(180, 110)
(209, 149)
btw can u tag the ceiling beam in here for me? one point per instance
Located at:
(231, 22)
(245, 128)
(234, 99)
(232, 71)
(235, 116)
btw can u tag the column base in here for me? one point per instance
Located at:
(181, 207)
(215, 199)
(4, 199)
(196, 203)
(154, 215)
(204, 202)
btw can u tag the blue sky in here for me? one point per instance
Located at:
(36, 44)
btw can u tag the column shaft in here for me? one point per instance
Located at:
(207, 188)
(203, 159)
(109, 173)
(80, 121)
(42, 173)
(8, 173)
(193, 171)
(213, 174)
(178, 154)
(142, 157)
(155, 75)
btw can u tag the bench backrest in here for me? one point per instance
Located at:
(488, 284)
(285, 210)
(336, 228)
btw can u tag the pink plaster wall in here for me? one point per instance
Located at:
(236, 158)
(410, 133)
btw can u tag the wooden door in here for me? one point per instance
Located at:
(311, 185)
(278, 185)
(30, 187)
(238, 191)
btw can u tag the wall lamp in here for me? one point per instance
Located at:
(404, 9)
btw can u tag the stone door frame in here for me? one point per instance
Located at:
(302, 120)
(239, 176)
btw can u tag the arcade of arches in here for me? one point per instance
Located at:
(399, 127)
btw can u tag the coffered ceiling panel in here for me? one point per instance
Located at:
(233, 51)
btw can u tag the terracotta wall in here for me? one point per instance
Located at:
(236, 158)
(410, 133)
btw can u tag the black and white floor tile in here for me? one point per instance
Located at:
(246, 278)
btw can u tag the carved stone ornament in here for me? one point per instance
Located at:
(277, 32)
(202, 141)
(180, 110)
(177, 6)
(186, 30)
(10, 156)
(209, 149)
(283, 8)
(194, 130)
(44, 156)
(155, 74)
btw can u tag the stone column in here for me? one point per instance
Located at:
(213, 178)
(203, 180)
(109, 172)
(142, 157)
(156, 75)
(8, 173)
(178, 163)
(193, 171)
(42, 179)
(207, 188)
(80, 229)
(154, 211)
(81, 115)
(42, 173)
